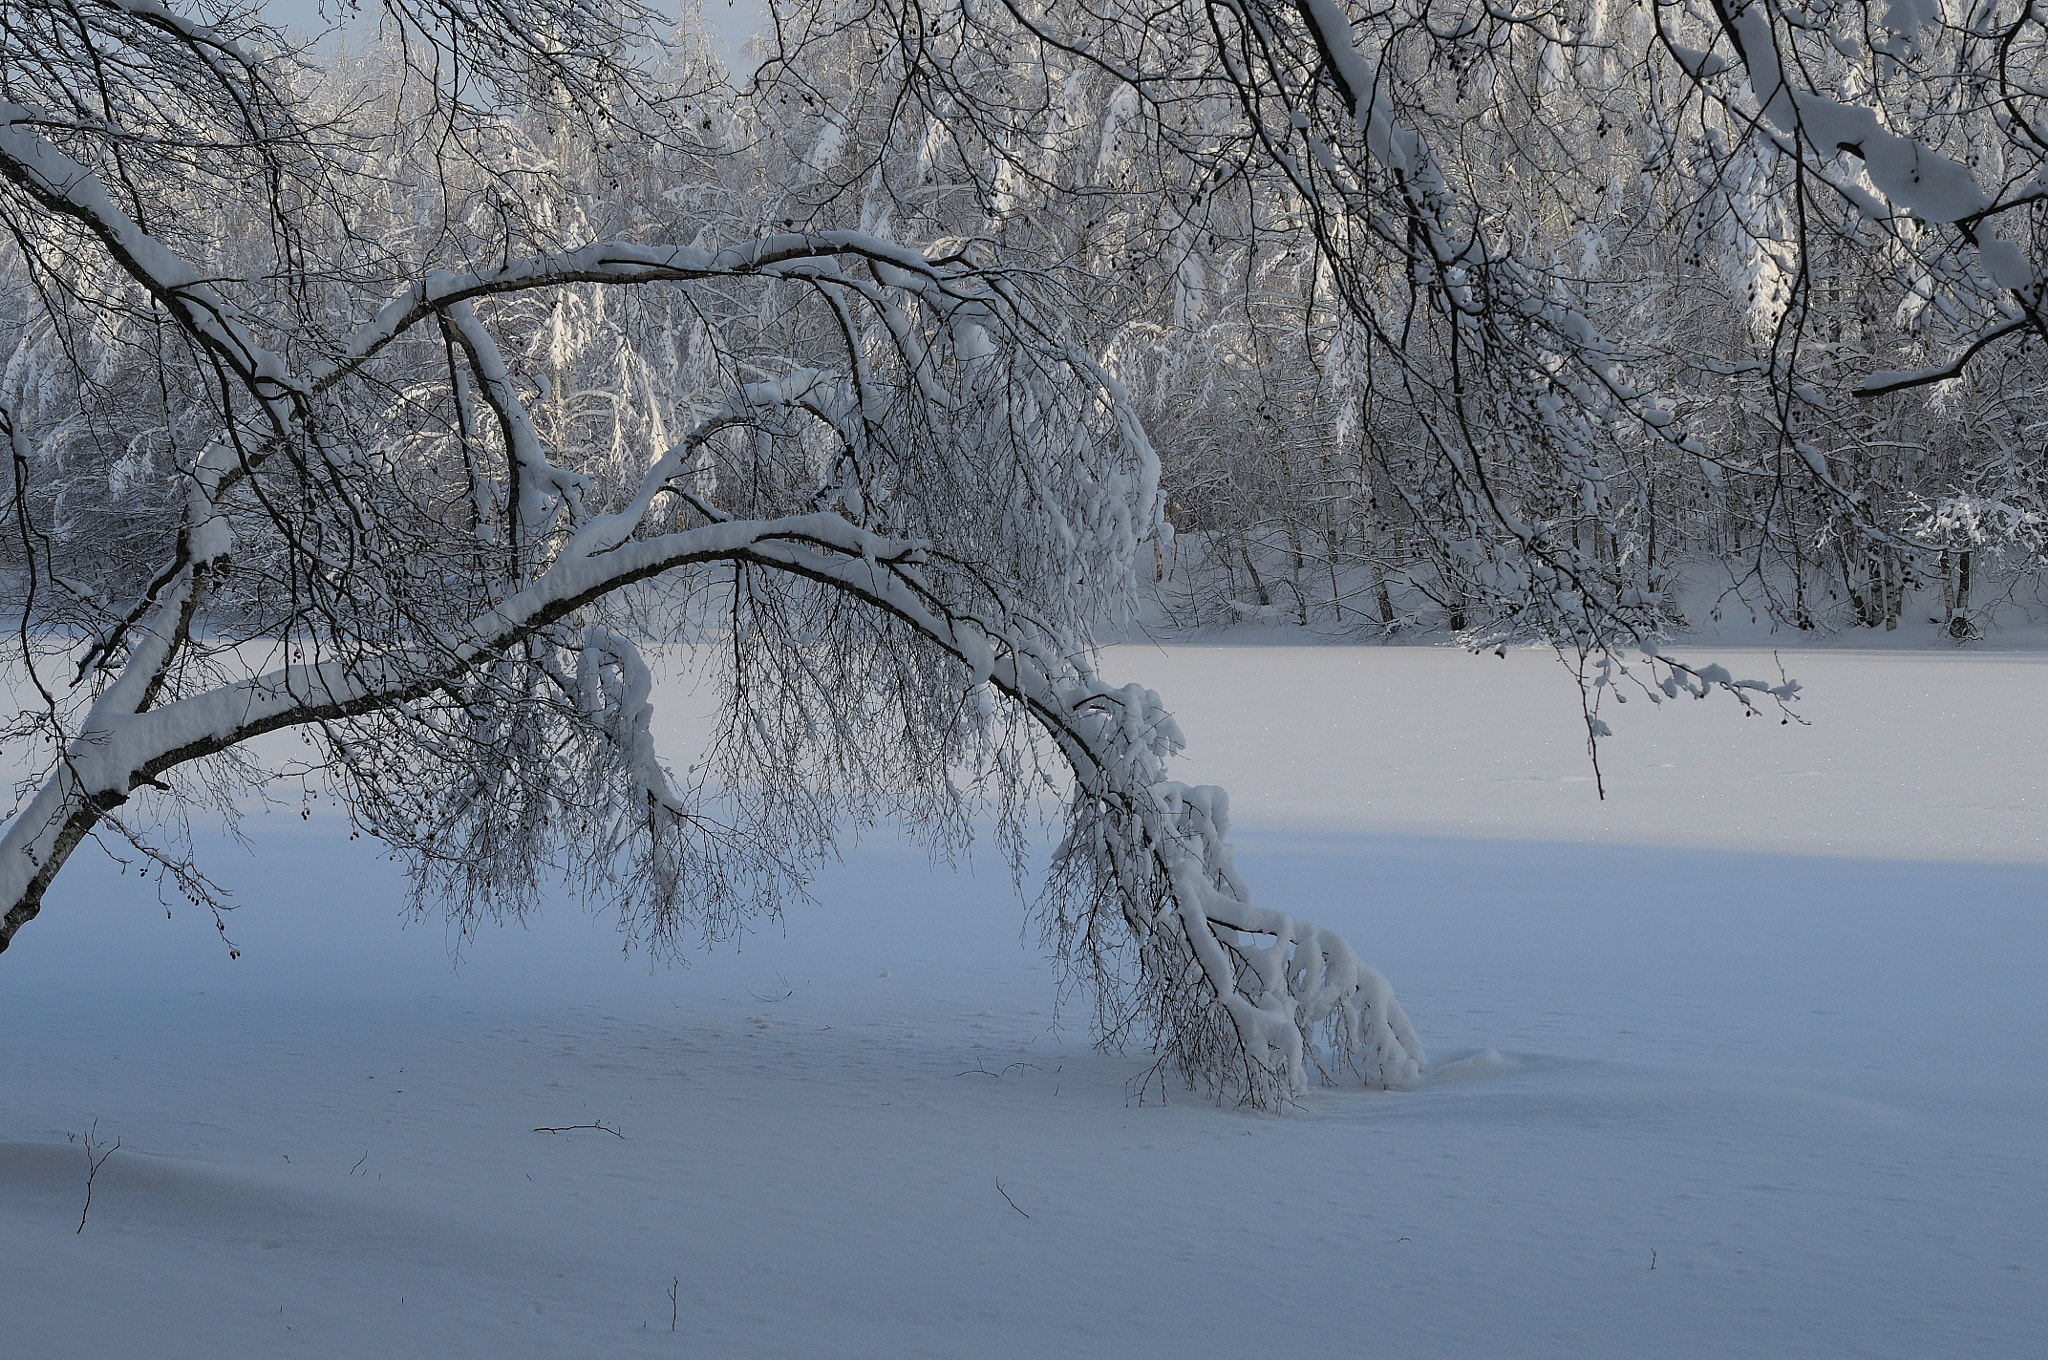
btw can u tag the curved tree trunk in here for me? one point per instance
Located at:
(1243, 1019)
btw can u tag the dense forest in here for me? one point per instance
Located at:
(1665, 349)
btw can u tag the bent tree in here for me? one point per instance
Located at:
(400, 404)
(398, 394)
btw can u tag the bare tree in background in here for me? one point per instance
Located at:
(1618, 288)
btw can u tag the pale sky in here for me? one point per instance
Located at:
(732, 21)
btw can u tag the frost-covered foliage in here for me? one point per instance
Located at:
(1510, 319)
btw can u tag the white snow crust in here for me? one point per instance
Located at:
(1771, 1012)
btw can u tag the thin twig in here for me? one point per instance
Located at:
(998, 1075)
(92, 1169)
(1006, 1194)
(787, 992)
(599, 1124)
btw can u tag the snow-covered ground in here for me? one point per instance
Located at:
(1771, 1018)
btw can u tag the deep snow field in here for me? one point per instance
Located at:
(1770, 1018)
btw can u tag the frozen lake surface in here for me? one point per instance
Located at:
(1771, 1016)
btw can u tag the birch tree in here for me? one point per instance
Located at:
(377, 500)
